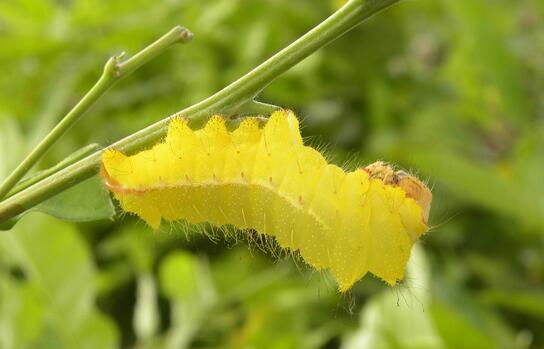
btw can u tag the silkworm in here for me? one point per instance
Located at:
(266, 179)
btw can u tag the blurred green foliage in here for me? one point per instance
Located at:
(451, 89)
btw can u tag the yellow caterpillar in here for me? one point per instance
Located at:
(267, 180)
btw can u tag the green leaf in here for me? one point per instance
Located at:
(456, 331)
(87, 201)
(21, 314)
(525, 302)
(132, 244)
(7, 225)
(464, 321)
(58, 265)
(186, 281)
(179, 276)
(84, 202)
(56, 259)
(393, 321)
(96, 331)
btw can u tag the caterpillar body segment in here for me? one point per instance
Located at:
(264, 178)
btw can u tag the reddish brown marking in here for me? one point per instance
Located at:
(116, 187)
(413, 187)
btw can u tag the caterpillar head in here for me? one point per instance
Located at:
(412, 186)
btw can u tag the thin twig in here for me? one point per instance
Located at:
(114, 71)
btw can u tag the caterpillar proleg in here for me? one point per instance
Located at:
(264, 178)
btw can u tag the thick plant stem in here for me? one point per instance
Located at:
(114, 71)
(227, 101)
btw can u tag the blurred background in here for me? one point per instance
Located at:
(451, 90)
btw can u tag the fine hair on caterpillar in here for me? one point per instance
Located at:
(262, 177)
(231, 236)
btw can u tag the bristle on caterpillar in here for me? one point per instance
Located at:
(264, 178)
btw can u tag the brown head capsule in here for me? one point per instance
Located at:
(412, 186)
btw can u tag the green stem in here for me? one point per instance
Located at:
(33, 179)
(229, 100)
(255, 108)
(114, 71)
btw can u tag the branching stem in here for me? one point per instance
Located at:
(114, 71)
